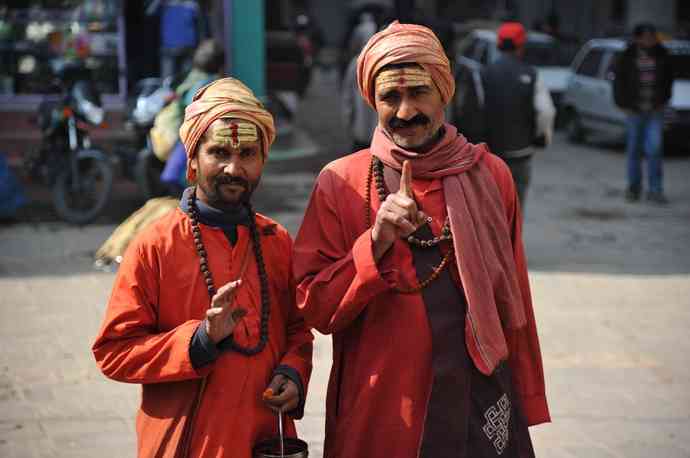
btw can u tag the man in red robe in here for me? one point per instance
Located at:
(202, 312)
(410, 254)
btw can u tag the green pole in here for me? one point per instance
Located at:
(247, 41)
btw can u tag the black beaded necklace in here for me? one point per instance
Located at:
(263, 277)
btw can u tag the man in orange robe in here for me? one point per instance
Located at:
(410, 254)
(202, 312)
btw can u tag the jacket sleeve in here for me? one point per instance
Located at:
(129, 347)
(336, 278)
(299, 348)
(620, 95)
(545, 111)
(468, 104)
(669, 76)
(523, 344)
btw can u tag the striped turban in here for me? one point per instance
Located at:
(404, 43)
(223, 98)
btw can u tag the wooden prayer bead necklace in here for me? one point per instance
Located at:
(263, 277)
(376, 173)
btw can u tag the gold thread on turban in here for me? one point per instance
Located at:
(403, 77)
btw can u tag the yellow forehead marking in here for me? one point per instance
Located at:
(236, 133)
(403, 77)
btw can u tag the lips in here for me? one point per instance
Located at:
(232, 183)
(235, 187)
(406, 131)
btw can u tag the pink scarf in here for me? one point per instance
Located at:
(481, 236)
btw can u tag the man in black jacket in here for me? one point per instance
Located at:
(642, 88)
(507, 106)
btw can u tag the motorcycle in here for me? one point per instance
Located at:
(149, 97)
(81, 175)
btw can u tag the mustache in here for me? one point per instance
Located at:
(228, 179)
(417, 120)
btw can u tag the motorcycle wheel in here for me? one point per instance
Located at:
(85, 202)
(147, 173)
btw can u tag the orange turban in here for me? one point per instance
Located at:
(223, 98)
(404, 43)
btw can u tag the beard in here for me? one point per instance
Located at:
(214, 194)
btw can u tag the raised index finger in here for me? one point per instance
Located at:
(406, 179)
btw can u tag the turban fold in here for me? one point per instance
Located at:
(404, 43)
(223, 98)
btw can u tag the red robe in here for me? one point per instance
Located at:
(159, 299)
(381, 376)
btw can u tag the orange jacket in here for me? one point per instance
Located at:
(158, 300)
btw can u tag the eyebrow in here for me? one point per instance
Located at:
(391, 90)
(388, 92)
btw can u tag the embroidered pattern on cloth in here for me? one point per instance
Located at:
(236, 133)
(405, 77)
(497, 420)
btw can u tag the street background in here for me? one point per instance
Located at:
(610, 280)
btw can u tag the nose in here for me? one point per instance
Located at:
(406, 109)
(232, 166)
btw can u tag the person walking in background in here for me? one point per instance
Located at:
(410, 253)
(518, 110)
(182, 26)
(358, 117)
(642, 88)
(203, 312)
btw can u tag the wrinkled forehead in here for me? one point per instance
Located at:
(233, 132)
(402, 76)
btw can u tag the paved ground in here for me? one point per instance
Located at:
(611, 286)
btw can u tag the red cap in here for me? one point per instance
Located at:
(513, 31)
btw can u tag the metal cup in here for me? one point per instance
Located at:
(270, 448)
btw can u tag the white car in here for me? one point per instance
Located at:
(588, 103)
(542, 51)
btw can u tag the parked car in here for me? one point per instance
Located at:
(588, 101)
(550, 57)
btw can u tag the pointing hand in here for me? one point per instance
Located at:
(398, 216)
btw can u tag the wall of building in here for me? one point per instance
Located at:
(662, 13)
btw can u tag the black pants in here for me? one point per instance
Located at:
(521, 168)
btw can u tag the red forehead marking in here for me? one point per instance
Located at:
(401, 80)
(233, 128)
